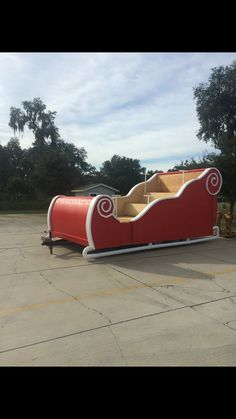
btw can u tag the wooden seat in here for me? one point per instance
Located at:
(158, 187)
(133, 208)
(157, 195)
(125, 219)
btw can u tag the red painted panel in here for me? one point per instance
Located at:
(187, 216)
(68, 218)
(107, 231)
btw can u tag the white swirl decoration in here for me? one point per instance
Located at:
(214, 182)
(105, 207)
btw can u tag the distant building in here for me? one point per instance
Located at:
(95, 189)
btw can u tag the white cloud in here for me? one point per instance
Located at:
(139, 105)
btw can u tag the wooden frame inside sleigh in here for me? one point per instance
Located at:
(170, 209)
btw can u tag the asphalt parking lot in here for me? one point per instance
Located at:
(164, 307)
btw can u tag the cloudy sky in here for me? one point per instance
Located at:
(138, 105)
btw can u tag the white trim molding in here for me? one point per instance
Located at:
(149, 246)
(105, 213)
(50, 210)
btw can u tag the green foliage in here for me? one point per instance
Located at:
(17, 187)
(35, 117)
(51, 166)
(4, 167)
(57, 170)
(208, 160)
(121, 172)
(227, 166)
(216, 108)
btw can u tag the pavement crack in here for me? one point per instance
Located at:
(78, 300)
(109, 325)
(22, 253)
(232, 300)
(221, 287)
(230, 327)
(47, 280)
(92, 309)
(148, 285)
(117, 343)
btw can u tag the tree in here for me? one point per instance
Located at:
(4, 167)
(51, 166)
(14, 182)
(77, 159)
(15, 157)
(35, 117)
(57, 170)
(17, 187)
(226, 163)
(121, 173)
(216, 110)
(52, 174)
(208, 160)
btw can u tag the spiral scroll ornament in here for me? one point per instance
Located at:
(214, 182)
(105, 207)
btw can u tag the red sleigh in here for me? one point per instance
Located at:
(170, 209)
